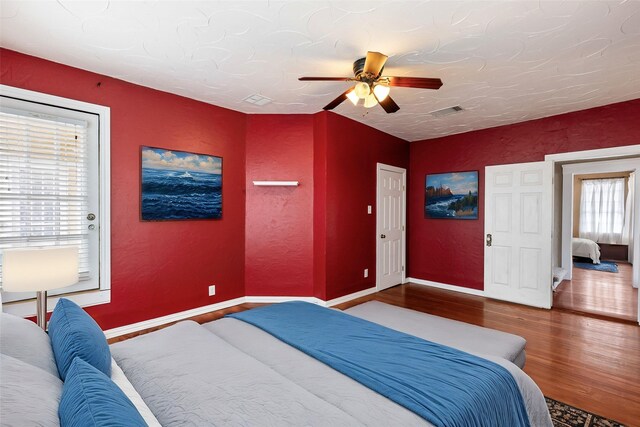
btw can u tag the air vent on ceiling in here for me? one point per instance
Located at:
(447, 111)
(258, 100)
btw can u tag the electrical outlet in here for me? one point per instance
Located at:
(366, 272)
(212, 290)
(369, 209)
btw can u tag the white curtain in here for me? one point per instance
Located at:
(627, 229)
(602, 210)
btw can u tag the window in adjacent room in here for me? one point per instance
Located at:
(602, 210)
(54, 182)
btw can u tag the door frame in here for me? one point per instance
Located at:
(602, 154)
(568, 172)
(379, 168)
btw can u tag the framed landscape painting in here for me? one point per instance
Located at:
(178, 185)
(451, 195)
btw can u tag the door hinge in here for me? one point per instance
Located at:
(403, 268)
(402, 228)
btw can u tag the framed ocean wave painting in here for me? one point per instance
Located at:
(178, 185)
(452, 195)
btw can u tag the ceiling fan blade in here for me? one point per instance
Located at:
(416, 82)
(325, 79)
(374, 63)
(388, 104)
(333, 104)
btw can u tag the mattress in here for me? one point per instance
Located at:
(463, 336)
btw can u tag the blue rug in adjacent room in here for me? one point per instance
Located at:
(607, 266)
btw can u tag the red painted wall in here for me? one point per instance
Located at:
(311, 240)
(157, 268)
(279, 220)
(315, 239)
(352, 151)
(452, 252)
(320, 206)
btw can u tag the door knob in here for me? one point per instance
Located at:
(382, 236)
(489, 239)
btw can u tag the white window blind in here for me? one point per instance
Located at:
(44, 183)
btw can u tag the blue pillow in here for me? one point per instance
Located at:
(90, 399)
(74, 333)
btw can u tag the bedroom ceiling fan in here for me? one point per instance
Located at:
(371, 86)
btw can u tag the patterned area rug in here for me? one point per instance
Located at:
(564, 415)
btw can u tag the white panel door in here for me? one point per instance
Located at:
(390, 218)
(517, 252)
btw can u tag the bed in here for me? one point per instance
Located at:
(229, 372)
(471, 338)
(586, 248)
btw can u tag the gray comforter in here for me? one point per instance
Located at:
(230, 373)
(190, 377)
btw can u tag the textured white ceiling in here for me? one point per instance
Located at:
(502, 61)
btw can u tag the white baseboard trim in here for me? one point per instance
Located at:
(272, 300)
(349, 297)
(175, 317)
(313, 300)
(159, 321)
(446, 286)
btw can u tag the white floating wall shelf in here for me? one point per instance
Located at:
(276, 183)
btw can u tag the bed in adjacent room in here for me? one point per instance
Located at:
(258, 368)
(585, 248)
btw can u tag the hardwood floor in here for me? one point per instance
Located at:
(599, 293)
(590, 363)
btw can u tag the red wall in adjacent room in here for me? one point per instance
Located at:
(352, 152)
(279, 220)
(452, 252)
(157, 268)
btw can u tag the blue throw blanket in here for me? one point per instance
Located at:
(445, 386)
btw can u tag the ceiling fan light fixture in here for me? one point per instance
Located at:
(362, 90)
(381, 91)
(370, 101)
(371, 86)
(353, 97)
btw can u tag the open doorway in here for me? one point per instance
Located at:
(599, 243)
